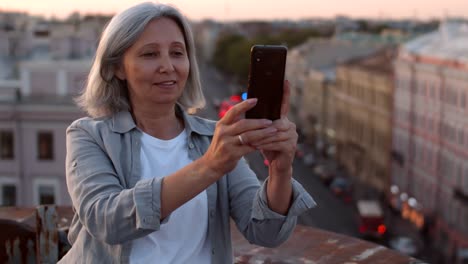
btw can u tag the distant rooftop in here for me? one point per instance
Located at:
(449, 42)
(380, 61)
(387, 38)
(324, 55)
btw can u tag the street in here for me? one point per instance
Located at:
(331, 213)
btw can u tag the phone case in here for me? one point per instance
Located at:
(266, 79)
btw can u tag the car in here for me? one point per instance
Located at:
(405, 245)
(324, 173)
(299, 151)
(371, 220)
(342, 188)
(309, 159)
(227, 104)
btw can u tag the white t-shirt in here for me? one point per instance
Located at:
(183, 239)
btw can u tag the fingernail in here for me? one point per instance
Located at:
(252, 100)
(267, 122)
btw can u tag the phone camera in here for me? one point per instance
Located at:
(258, 59)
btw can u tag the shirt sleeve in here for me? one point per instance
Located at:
(254, 219)
(302, 202)
(108, 211)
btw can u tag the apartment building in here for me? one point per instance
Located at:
(430, 134)
(311, 70)
(363, 103)
(35, 111)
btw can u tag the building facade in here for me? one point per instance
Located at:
(363, 106)
(34, 114)
(311, 70)
(430, 135)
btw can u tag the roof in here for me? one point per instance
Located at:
(306, 245)
(312, 245)
(380, 61)
(369, 208)
(325, 54)
(450, 42)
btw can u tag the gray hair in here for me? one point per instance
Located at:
(104, 93)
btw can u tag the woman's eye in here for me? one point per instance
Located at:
(149, 54)
(178, 53)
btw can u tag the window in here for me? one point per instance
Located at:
(45, 145)
(8, 195)
(461, 137)
(46, 194)
(46, 191)
(6, 145)
(463, 100)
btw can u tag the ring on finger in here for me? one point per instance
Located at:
(241, 140)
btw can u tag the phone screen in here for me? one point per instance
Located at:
(266, 79)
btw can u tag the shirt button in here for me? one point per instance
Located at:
(191, 145)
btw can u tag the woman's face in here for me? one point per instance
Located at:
(156, 66)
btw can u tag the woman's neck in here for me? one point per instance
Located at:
(161, 123)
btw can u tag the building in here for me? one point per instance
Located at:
(35, 111)
(430, 135)
(363, 104)
(311, 70)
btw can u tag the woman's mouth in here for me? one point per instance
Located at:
(166, 84)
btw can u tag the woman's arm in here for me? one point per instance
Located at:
(114, 214)
(251, 212)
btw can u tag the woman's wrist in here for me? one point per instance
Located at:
(281, 174)
(206, 169)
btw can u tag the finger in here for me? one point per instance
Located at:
(285, 147)
(282, 124)
(273, 138)
(245, 125)
(253, 136)
(285, 101)
(237, 110)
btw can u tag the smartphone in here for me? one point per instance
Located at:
(266, 79)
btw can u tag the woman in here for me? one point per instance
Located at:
(152, 184)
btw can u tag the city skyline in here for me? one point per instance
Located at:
(246, 10)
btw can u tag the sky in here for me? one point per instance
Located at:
(226, 10)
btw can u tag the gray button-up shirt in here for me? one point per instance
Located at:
(113, 206)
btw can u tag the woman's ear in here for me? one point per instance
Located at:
(120, 73)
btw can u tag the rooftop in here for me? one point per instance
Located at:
(306, 245)
(380, 61)
(450, 42)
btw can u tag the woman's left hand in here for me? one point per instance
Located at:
(280, 148)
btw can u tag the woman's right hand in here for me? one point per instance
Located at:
(232, 136)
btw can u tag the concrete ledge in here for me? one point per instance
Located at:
(316, 246)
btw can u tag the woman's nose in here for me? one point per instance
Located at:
(166, 64)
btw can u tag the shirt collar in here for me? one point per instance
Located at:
(122, 122)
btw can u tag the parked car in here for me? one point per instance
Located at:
(405, 245)
(299, 151)
(371, 219)
(325, 174)
(309, 159)
(342, 188)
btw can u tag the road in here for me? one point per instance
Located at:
(331, 213)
